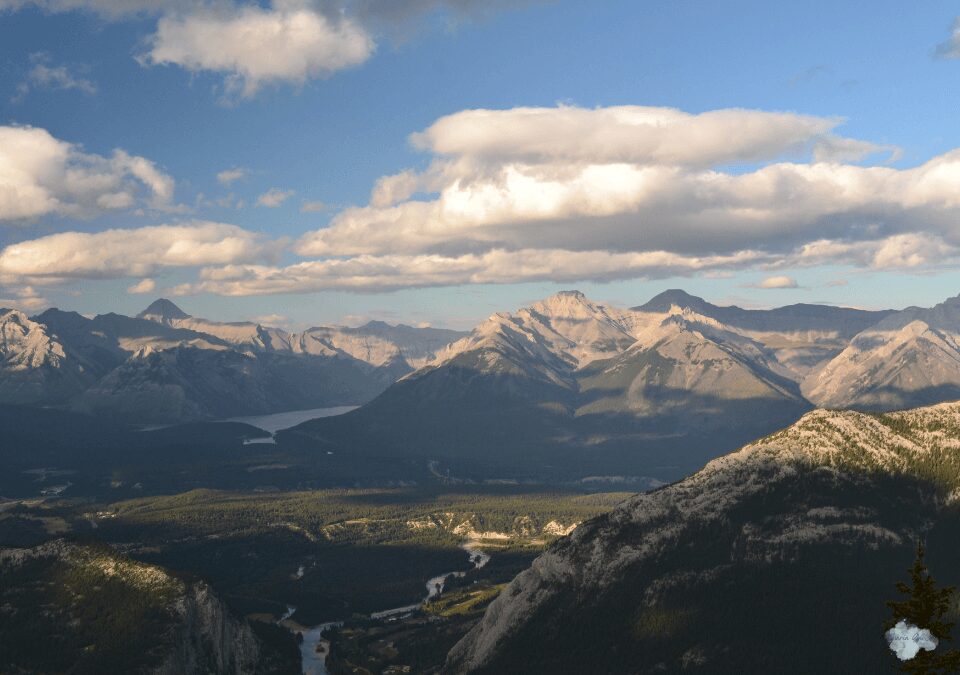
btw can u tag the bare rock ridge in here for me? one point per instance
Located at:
(691, 576)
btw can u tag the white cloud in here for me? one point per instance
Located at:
(41, 175)
(636, 135)
(229, 176)
(143, 286)
(274, 197)
(378, 273)
(897, 252)
(612, 179)
(778, 282)
(25, 298)
(135, 252)
(44, 76)
(836, 149)
(950, 49)
(385, 272)
(289, 42)
(313, 207)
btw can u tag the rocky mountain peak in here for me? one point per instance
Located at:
(162, 311)
(567, 304)
(674, 297)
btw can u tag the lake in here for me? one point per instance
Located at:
(291, 418)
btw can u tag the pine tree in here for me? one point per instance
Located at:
(925, 607)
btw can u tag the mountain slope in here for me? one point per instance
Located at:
(844, 321)
(35, 366)
(564, 331)
(185, 383)
(776, 558)
(104, 613)
(694, 369)
(376, 343)
(910, 358)
(801, 336)
(164, 365)
(571, 388)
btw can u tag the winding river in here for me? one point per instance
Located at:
(314, 648)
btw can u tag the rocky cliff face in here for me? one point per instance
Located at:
(776, 558)
(209, 639)
(105, 613)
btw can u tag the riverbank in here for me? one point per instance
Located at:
(315, 647)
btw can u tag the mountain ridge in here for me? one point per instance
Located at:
(827, 510)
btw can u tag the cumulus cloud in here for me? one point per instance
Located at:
(135, 252)
(636, 135)
(45, 76)
(897, 252)
(279, 41)
(25, 298)
(274, 197)
(41, 175)
(228, 177)
(385, 272)
(640, 179)
(388, 272)
(290, 41)
(778, 282)
(565, 194)
(143, 286)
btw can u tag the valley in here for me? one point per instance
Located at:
(329, 555)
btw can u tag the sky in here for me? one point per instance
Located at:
(302, 162)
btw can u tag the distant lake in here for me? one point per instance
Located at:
(274, 423)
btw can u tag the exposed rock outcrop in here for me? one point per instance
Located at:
(776, 558)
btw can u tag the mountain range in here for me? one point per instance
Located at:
(165, 366)
(568, 386)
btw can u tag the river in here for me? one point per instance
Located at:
(314, 648)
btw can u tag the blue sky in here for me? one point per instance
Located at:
(97, 79)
